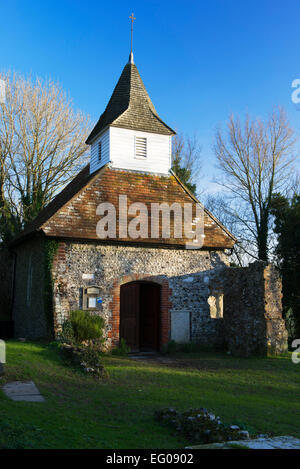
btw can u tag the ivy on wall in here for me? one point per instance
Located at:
(50, 249)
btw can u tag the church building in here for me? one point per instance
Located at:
(150, 287)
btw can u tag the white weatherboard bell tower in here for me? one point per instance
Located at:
(130, 134)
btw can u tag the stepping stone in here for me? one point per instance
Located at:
(277, 442)
(23, 391)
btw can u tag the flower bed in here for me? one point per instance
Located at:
(201, 426)
(87, 357)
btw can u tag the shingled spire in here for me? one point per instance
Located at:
(130, 106)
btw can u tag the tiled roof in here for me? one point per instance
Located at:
(130, 107)
(72, 214)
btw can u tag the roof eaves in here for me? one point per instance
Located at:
(91, 138)
(40, 228)
(115, 124)
(22, 238)
(91, 180)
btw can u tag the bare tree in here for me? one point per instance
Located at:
(186, 160)
(42, 145)
(295, 185)
(256, 162)
(243, 251)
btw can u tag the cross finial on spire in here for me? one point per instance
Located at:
(132, 18)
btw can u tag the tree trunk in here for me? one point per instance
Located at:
(262, 240)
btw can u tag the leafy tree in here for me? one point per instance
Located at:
(186, 160)
(287, 227)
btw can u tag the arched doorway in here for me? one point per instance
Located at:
(140, 315)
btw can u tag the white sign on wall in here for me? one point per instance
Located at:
(2, 351)
(88, 276)
(2, 91)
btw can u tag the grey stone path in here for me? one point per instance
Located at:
(277, 442)
(23, 391)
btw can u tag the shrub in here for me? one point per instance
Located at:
(86, 326)
(171, 347)
(188, 347)
(191, 347)
(67, 334)
(122, 350)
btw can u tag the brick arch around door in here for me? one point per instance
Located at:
(165, 305)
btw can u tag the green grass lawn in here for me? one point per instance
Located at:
(82, 412)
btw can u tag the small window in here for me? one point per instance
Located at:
(215, 302)
(99, 151)
(140, 147)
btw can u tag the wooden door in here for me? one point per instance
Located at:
(149, 316)
(129, 314)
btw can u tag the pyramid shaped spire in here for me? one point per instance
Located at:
(130, 106)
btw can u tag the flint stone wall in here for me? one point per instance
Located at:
(189, 273)
(252, 314)
(253, 323)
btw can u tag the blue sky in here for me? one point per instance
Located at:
(200, 60)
